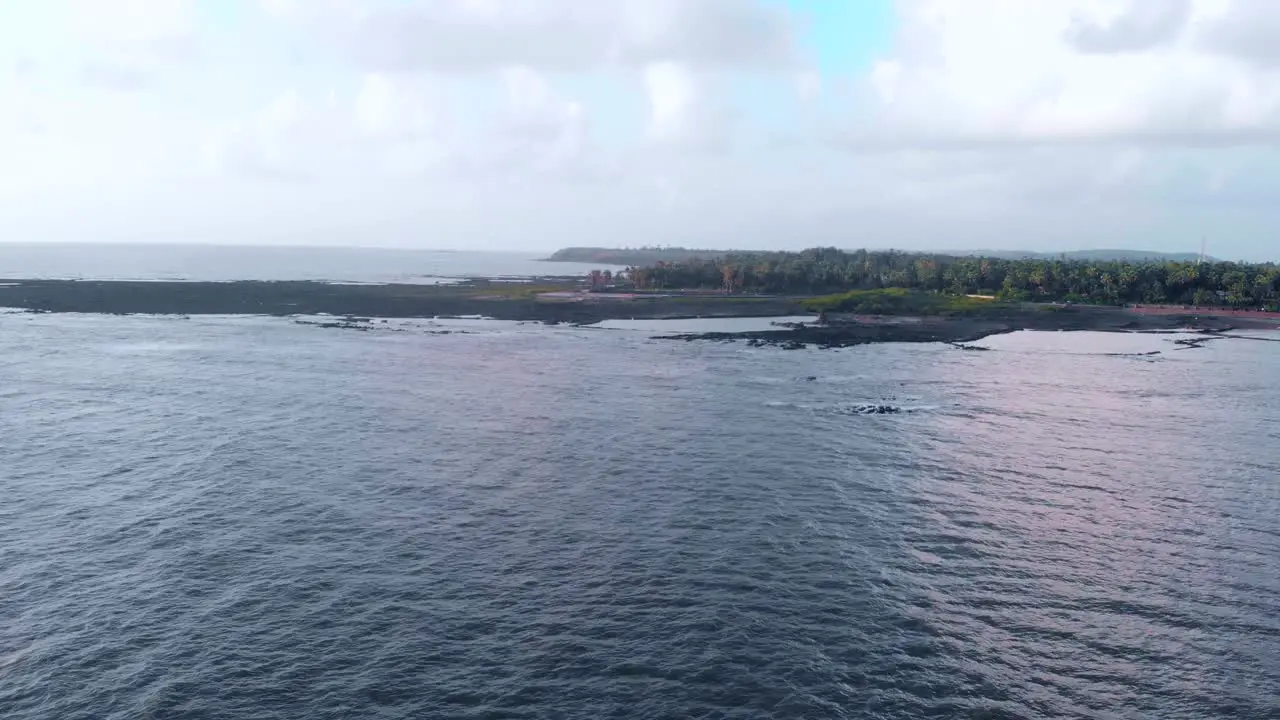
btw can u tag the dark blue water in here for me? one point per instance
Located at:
(248, 519)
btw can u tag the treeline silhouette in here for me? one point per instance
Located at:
(829, 270)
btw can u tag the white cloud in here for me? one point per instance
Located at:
(128, 22)
(116, 77)
(548, 35)
(673, 99)
(533, 107)
(404, 127)
(392, 109)
(681, 115)
(142, 31)
(123, 46)
(1008, 71)
(534, 136)
(295, 137)
(385, 130)
(544, 131)
(24, 69)
(1075, 123)
(1246, 29)
(1142, 25)
(1051, 124)
(808, 85)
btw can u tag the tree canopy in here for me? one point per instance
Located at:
(829, 270)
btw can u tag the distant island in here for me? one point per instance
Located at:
(1087, 255)
(643, 256)
(634, 256)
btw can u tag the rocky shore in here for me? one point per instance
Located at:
(557, 300)
(548, 300)
(959, 330)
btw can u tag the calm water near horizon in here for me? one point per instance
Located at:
(245, 518)
(90, 261)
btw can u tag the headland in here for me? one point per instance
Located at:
(566, 300)
(550, 300)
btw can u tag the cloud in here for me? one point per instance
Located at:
(122, 46)
(1143, 25)
(295, 138)
(391, 109)
(461, 36)
(25, 69)
(410, 128)
(151, 31)
(523, 123)
(537, 138)
(116, 77)
(681, 116)
(546, 134)
(1249, 30)
(534, 110)
(1067, 124)
(988, 71)
(386, 129)
(808, 85)
(23, 109)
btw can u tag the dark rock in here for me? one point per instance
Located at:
(875, 409)
(358, 303)
(1197, 342)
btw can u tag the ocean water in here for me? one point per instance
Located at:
(90, 261)
(247, 518)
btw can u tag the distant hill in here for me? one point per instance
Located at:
(1089, 255)
(647, 256)
(632, 256)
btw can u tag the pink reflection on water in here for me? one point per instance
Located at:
(1091, 491)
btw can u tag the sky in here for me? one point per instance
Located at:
(533, 124)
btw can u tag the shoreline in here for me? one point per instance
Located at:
(961, 330)
(546, 299)
(554, 300)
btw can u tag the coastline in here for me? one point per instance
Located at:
(960, 330)
(560, 300)
(548, 299)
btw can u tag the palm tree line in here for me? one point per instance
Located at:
(830, 270)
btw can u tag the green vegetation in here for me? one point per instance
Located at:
(652, 255)
(633, 256)
(898, 301)
(823, 271)
(515, 290)
(1088, 255)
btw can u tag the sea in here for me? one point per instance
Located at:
(246, 518)
(221, 263)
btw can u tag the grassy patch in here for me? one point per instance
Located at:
(733, 299)
(516, 291)
(900, 301)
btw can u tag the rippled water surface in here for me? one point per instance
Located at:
(247, 518)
